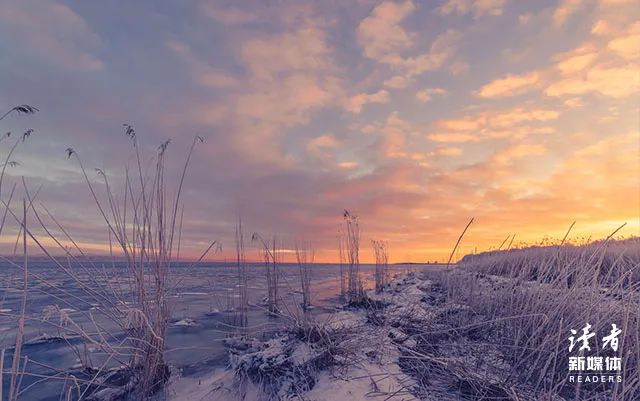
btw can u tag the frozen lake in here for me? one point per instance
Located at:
(202, 301)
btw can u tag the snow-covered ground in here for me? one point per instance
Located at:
(410, 343)
(354, 357)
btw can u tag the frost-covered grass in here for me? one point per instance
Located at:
(607, 263)
(494, 327)
(143, 225)
(531, 298)
(346, 354)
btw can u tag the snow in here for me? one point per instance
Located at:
(362, 359)
(185, 323)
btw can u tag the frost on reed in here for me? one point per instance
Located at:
(305, 255)
(271, 257)
(355, 290)
(240, 316)
(18, 363)
(381, 251)
(343, 275)
(143, 229)
(531, 298)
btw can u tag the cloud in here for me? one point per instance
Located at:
(450, 151)
(466, 124)
(203, 73)
(565, 9)
(383, 39)
(601, 28)
(627, 45)
(393, 137)
(381, 35)
(515, 124)
(615, 82)
(573, 102)
(355, 103)
(511, 85)
(321, 146)
(517, 151)
(521, 114)
(303, 47)
(577, 60)
(227, 15)
(441, 50)
(478, 8)
(426, 95)
(347, 165)
(51, 32)
(290, 75)
(269, 86)
(459, 68)
(398, 82)
(615, 2)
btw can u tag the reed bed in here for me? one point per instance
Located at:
(240, 317)
(343, 271)
(19, 363)
(143, 225)
(356, 294)
(528, 301)
(271, 256)
(381, 275)
(305, 255)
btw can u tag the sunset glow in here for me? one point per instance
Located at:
(415, 116)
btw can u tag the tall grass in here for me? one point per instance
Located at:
(241, 315)
(343, 271)
(18, 367)
(17, 371)
(305, 255)
(142, 223)
(381, 252)
(355, 289)
(271, 258)
(531, 298)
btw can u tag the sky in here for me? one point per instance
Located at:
(416, 116)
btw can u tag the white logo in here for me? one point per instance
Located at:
(594, 368)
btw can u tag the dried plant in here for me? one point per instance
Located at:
(355, 289)
(21, 109)
(240, 317)
(343, 272)
(271, 257)
(19, 363)
(381, 251)
(142, 224)
(305, 255)
(531, 298)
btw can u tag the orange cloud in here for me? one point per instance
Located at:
(449, 151)
(513, 123)
(511, 85)
(627, 45)
(398, 82)
(355, 103)
(615, 82)
(565, 9)
(381, 35)
(518, 151)
(383, 38)
(425, 95)
(577, 60)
